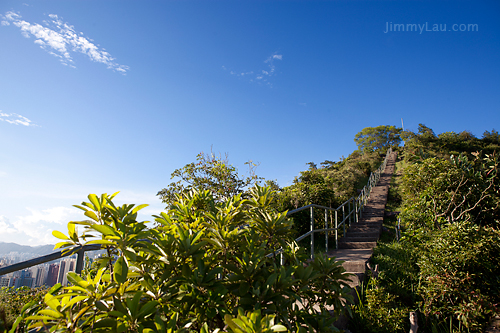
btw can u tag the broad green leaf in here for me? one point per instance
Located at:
(51, 313)
(77, 288)
(72, 232)
(80, 207)
(138, 208)
(92, 215)
(115, 313)
(105, 322)
(89, 223)
(59, 235)
(120, 270)
(39, 318)
(16, 323)
(102, 306)
(104, 229)
(95, 201)
(97, 278)
(55, 288)
(74, 300)
(279, 328)
(26, 306)
(100, 241)
(63, 244)
(52, 302)
(134, 303)
(235, 327)
(271, 279)
(73, 278)
(147, 309)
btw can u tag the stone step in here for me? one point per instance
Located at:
(366, 228)
(350, 234)
(354, 266)
(359, 238)
(351, 254)
(372, 216)
(356, 245)
(370, 223)
(366, 232)
(355, 279)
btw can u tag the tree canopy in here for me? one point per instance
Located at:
(378, 138)
(209, 172)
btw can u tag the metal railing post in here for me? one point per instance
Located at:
(343, 214)
(79, 261)
(336, 231)
(326, 232)
(361, 206)
(343, 225)
(312, 233)
(350, 213)
(356, 211)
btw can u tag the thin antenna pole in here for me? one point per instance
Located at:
(403, 126)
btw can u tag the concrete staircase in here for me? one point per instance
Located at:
(357, 247)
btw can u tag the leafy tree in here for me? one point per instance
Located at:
(492, 137)
(212, 173)
(439, 191)
(425, 143)
(426, 132)
(378, 138)
(200, 270)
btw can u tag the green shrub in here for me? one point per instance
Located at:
(378, 311)
(199, 270)
(16, 302)
(460, 276)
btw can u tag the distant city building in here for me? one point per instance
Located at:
(5, 281)
(24, 279)
(52, 275)
(41, 275)
(65, 266)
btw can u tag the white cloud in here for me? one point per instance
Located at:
(56, 215)
(36, 227)
(60, 39)
(263, 75)
(6, 226)
(50, 208)
(16, 119)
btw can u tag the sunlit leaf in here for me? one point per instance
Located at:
(120, 270)
(59, 235)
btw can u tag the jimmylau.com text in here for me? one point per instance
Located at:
(426, 27)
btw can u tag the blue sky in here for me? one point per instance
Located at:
(106, 96)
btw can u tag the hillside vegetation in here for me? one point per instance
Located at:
(446, 266)
(222, 256)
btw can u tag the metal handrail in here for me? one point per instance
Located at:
(80, 251)
(355, 206)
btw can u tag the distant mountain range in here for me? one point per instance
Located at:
(6, 248)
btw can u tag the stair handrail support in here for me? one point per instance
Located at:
(357, 209)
